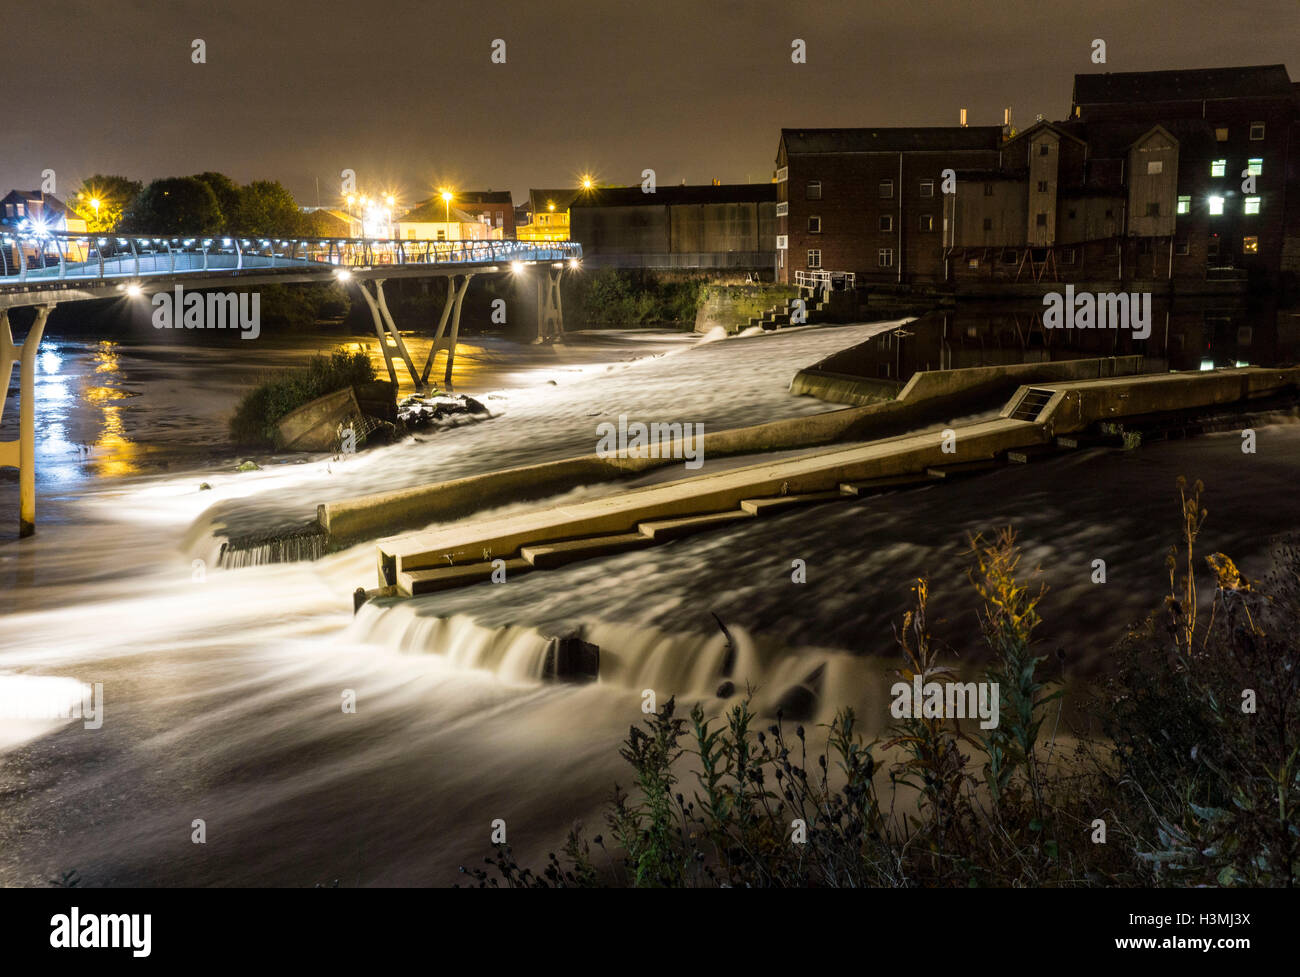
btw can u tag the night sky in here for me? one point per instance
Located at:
(405, 93)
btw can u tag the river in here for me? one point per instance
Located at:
(223, 689)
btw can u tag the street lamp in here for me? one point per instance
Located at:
(446, 199)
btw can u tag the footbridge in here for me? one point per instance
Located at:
(43, 269)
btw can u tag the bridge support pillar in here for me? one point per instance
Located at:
(21, 454)
(442, 341)
(550, 315)
(385, 327)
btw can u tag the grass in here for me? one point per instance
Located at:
(1192, 777)
(284, 391)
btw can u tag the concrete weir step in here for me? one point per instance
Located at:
(775, 503)
(545, 556)
(1022, 456)
(662, 530)
(870, 485)
(446, 578)
(966, 468)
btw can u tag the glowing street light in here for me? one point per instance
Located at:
(516, 267)
(587, 182)
(133, 290)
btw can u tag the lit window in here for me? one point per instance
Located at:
(1252, 205)
(1155, 166)
(1218, 167)
(814, 190)
(885, 258)
(927, 222)
(886, 223)
(886, 189)
(1255, 167)
(814, 258)
(1216, 205)
(1250, 245)
(1221, 135)
(1257, 130)
(1184, 205)
(814, 225)
(927, 188)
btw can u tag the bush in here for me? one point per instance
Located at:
(284, 391)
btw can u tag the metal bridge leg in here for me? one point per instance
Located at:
(455, 329)
(397, 336)
(379, 330)
(550, 317)
(442, 327)
(21, 454)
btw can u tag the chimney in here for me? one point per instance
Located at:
(1006, 116)
(963, 117)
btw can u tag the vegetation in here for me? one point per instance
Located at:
(284, 391)
(1194, 779)
(612, 297)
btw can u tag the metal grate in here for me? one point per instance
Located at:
(1032, 404)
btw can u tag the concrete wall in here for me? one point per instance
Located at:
(731, 307)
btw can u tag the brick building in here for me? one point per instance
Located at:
(1185, 177)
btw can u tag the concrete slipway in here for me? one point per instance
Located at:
(1032, 420)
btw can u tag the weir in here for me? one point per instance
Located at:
(467, 552)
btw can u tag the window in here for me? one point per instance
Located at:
(1212, 246)
(1218, 167)
(815, 258)
(927, 222)
(1144, 245)
(1155, 166)
(1042, 186)
(1044, 149)
(1216, 206)
(886, 223)
(1067, 256)
(988, 223)
(927, 188)
(813, 191)
(1071, 214)
(988, 189)
(1257, 130)
(814, 225)
(1182, 247)
(885, 258)
(1255, 167)
(783, 209)
(1252, 206)
(22, 210)
(1153, 208)
(783, 174)
(1010, 257)
(1110, 213)
(1221, 135)
(9, 210)
(1250, 244)
(782, 242)
(1040, 220)
(1184, 205)
(886, 189)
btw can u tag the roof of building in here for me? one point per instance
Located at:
(1179, 86)
(728, 193)
(49, 203)
(435, 211)
(1110, 140)
(891, 140)
(540, 199)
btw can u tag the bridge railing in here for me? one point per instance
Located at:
(37, 256)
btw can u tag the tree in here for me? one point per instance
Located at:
(176, 205)
(115, 194)
(266, 207)
(227, 193)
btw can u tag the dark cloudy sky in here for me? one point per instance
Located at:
(404, 92)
